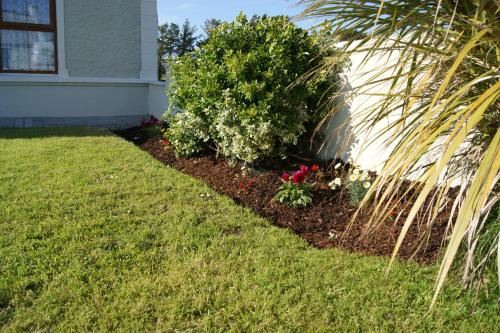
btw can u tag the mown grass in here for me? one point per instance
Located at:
(96, 235)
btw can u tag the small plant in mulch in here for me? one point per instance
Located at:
(150, 122)
(357, 182)
(296, 189)
(358, 185)
(165, 142)
(332, 235)
(246, 185)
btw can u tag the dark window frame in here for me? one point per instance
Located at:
(52, 27)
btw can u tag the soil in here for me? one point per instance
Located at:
(324, 224)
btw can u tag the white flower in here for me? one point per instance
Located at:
(350, 161)
(355, 172)
(334, 184)
(338, 165)
(332, 235)
(367, 185)
(364, 176)
(353, 178)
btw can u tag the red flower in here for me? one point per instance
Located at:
(314, 168)
(298, 177)
(250, 183)
(165, 142)
(242, 185)
(304, 169)
(285, 177)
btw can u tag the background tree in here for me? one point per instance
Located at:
(168, 39)
(187, 39)
(444, 101)
(255, 18)
(207, 28)
(172, 42)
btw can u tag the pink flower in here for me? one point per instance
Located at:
(285, 177)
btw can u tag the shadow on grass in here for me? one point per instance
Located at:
(47, 132)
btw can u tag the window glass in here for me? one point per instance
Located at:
(27, 50)
(26, 11)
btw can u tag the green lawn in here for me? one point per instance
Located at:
(96, 235)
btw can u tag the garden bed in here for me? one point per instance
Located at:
(324, 224)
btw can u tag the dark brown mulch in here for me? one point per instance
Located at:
(330, 212)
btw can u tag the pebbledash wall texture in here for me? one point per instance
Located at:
(103, 38)
(107, 70)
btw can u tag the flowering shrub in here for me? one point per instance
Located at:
(242, 89)
(296, 191)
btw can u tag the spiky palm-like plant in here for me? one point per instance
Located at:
(444, 101)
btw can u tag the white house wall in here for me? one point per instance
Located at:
(107, 70)
(157, 98)
(369, 149)
(342, 139)
(73, 103)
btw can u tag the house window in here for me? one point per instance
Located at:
(28, 36)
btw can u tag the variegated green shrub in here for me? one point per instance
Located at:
(242, 87)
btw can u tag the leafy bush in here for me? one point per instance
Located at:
(241, 89)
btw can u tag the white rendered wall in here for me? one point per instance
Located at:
(98, 82)
(73, 100)
(343, 141)
(45, 101)
(157, 99)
